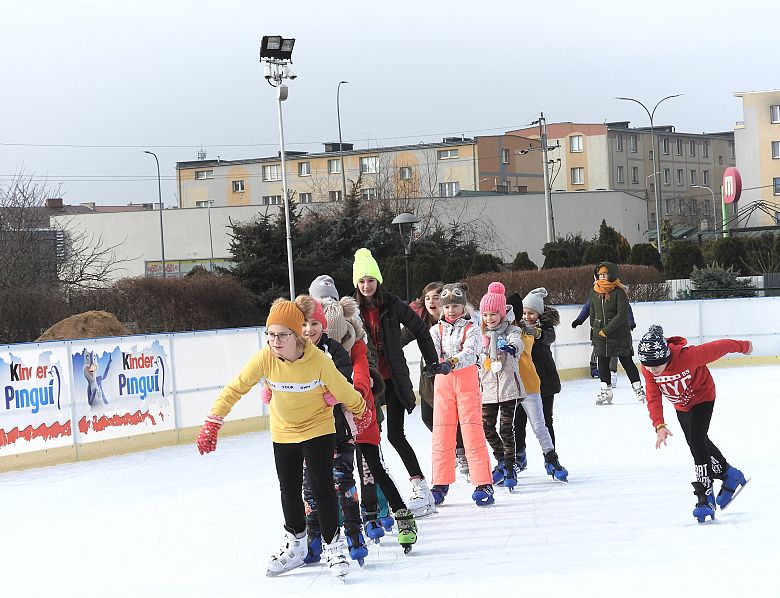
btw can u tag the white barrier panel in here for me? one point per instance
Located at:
(36, 404)
(121, 387)
(139, 384)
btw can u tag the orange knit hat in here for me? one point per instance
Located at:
(287, 314)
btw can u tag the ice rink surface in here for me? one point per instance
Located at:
(171, 522)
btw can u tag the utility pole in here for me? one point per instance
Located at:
(548, 211)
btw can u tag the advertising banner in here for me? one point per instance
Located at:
(35, 413)
(121, 388)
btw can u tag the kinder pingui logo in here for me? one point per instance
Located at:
(32, 386)
(141, 374)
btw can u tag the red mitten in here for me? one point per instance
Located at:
(329, 399)
(207, 437)
(362, 423)
(265, 394)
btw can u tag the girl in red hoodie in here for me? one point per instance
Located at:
(679, 372)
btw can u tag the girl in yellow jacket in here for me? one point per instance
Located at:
(302, 427)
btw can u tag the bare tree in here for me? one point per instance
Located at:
(36, 251)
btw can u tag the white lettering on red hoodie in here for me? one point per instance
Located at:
(686, 381)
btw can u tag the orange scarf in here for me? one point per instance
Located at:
(605, 287)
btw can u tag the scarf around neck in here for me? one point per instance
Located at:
(490, 340)
(605, 287)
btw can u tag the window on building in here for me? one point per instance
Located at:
(705, 149)
(667, 176)
(669, 206)
(619, 175)
(705, 178)
(635, 174)
(720, 160)
(334, 195)
(776, 149)
(680, 176)
(575, 143)
(304, 168)
(272, 200)
(578, 176)
(678, 145)
(693, 177)
(272, 172)
(334, 166)
(405, 173)
(204, 204)
(731, 148)
(707, 207)
(692, 147)
(504, 156)
(449, 189)
(650, 155)
(369, 165)
(665, 146)
(447, 154)
(238, 186)
(370, 193)
(774, 114)
(304, 198)
(619, 143)
(204, 174)
(632, 143)
(776, 184)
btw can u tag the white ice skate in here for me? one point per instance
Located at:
(605, 395)
(289, 556)
(613, 379)
(335, 558)
(639, 391)
(463, 464)
(421, 503)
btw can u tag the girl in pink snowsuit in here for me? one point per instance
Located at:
(457, 398)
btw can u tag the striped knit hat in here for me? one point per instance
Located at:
(653, 349)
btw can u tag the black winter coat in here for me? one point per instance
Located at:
(392, 315)
(343, 363)
(542, 354)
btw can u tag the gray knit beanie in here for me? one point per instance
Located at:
(323, 287)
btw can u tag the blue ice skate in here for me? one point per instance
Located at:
(554, 468)
(374, 531)
(705, 504)
(733, 483)
(387, 522)
(315, 550)
(498, 472)
(357, 546)
(483, 495)
(510, 478)
(439, 492)
(521, 461)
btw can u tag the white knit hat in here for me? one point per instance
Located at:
(535, 300)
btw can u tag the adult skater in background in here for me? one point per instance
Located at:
(302, 427)
(679, 372)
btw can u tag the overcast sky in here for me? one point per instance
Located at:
(88, 85)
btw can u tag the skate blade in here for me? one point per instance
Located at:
(407, 548)
(728, 504)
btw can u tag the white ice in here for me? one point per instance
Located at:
(170, 522)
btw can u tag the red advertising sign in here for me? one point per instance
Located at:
(732, 185)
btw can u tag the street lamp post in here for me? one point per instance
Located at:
(409, 220)
(276, 54)
(714, 207)
(651, 114)
(341, 145)
(159, 197)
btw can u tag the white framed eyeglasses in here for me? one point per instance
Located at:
(282, 336)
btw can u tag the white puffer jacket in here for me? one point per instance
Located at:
(505, 384)
(461, 340)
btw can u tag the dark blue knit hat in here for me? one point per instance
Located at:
(653, 349)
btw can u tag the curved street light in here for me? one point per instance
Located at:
(159, 197)
(341, 145)
(404, 220)
(651, 114)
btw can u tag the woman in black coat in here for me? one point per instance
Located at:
(382, 315)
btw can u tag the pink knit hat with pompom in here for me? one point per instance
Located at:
(494, 300)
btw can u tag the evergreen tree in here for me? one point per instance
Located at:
(523, 262)
(645, 254)
(682, 258)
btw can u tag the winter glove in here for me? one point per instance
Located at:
(349, 417)
(445, 367)
(207, 437)
(362, 423)
(265, 395)
(504, 346)
(576, 323)
(530, 329)
(601, 333)
(438, 368)
(329, 399)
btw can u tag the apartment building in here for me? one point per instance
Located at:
(757, 140)
(614, 156)
(490, 163)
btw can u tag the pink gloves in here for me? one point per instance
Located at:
(329, 399)
(265, 394)
(207, 437)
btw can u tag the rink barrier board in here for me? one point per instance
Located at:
(198, 364)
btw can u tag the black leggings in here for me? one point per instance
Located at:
(695, 425)
(395, 431)
(318, 453)
(344, 484)
(426, 412)
(372, 473)
(625, 360)
(521, 419)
